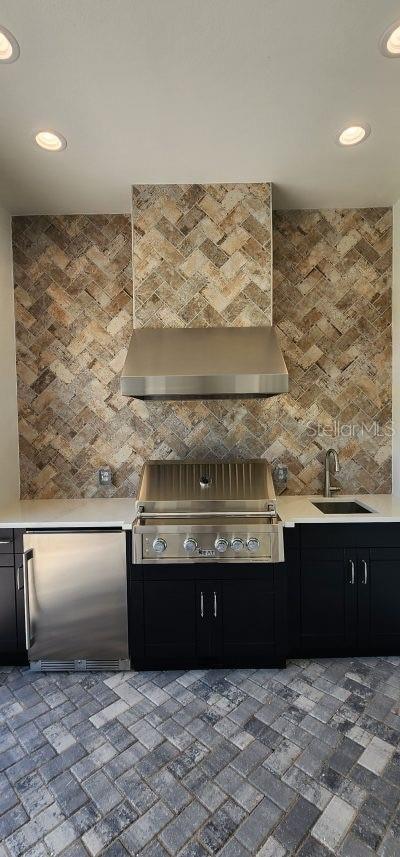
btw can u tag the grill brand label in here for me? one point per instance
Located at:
(208, 552)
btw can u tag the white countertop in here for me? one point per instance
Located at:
(96, 512)
(115, 512)
(385, 508)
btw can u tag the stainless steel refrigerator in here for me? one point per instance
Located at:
(75, 590)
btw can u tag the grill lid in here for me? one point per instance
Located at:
(206, 486)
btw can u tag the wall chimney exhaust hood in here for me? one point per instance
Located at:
(204, 363)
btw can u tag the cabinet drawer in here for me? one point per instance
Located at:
(207, 571)
(6, 541)
(385, 554)
(332, 535)
(313, 556)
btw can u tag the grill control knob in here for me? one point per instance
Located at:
(237, 544)
(253, 544)
(221, 545)
(190, 545)
(159, 545)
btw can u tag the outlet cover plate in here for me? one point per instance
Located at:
(105, 475)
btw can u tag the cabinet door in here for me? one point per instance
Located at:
(379, 601)
(169, 621)
(8, 611)
(249, 620)
(327, 601)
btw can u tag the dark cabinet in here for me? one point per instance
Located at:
(192, 615)
(169, 622)
(326, 601)
(12, 642)
(348, 589)
(8, 613)
(378, 588)
(248, 626)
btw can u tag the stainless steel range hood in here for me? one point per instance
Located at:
(212, 362)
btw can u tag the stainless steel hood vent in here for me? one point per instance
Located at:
(204, 363)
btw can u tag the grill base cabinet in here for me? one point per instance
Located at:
(185, 616)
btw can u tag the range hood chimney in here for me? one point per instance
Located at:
(203, 252)
(211, 362)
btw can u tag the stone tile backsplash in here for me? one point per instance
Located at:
(202, 255)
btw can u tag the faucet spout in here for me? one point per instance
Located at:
(328, 488)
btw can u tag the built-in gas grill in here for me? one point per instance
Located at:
(210, 511)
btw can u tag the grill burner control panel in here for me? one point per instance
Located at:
(221, 545)
(208, 545)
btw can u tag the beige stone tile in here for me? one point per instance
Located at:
(331, 305)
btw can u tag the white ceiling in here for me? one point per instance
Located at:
(198, 90)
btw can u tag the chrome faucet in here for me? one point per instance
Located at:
(328, 488)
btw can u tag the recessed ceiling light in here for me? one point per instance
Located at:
(9, 47)
(52, 141)
(390, 41)
(353, 134)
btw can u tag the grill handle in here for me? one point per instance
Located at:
(210, 514)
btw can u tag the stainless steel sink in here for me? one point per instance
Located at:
(341, 507)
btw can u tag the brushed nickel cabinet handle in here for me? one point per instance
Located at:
(5, 541)
(215, 605)
(352, 572)
(20, 583)
(365, 578)
(201, 605)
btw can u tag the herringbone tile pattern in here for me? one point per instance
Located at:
(235, 763)
(73, 307)
(202, 255)
(332, 308)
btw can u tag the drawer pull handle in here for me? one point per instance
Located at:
(201, 605)
(352, 572)
(215, 605)
(365, 578)
(5, 541)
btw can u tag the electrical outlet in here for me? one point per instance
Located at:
(280, 477)
(105, 475)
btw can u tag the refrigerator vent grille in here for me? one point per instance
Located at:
(80, 666)
(52, 666)
(108, 666)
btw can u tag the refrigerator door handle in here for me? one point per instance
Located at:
(27, 556)
(20, 578)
